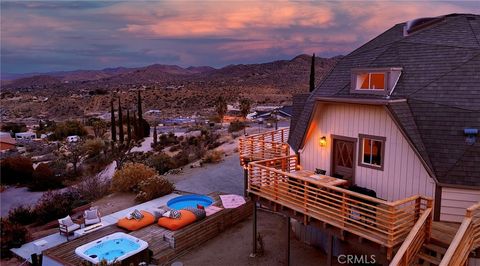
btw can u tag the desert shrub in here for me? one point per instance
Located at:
(168, 139)
(214, 156)
(236, 126)
(93, 187)
(14, 127)
(68, 128)
(16, 170)
(22, 215)
(93, 147)
(44, 178)
(174, 148)
(55, 204)
(13, 235)
(154, 187)
(181, 158)
(127, 178)
(161, 162)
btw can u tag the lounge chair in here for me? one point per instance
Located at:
(92, 216)
(67, 226)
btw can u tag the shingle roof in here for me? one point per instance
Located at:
(441, 82)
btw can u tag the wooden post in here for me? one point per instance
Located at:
(254, 249)
(245, 182)
(329, 249)
(288, 241)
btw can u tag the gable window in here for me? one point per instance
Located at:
(371, 81)
(375, 80)
(371, 151)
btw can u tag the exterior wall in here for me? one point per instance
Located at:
(6, 146)
(404, 175)
(455, 201)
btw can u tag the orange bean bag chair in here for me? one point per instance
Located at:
(134, 224)
(172, 224)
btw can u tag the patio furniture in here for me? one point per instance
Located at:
(67, 226)
(172, 224)
(91, 216)
(88, 229)
(134, 224)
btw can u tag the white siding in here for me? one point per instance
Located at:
(455, 201)
(403, 174)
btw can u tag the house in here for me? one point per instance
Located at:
(73, 138)
(385, 151)
(400, 115)
(25, 135)
(7, 142)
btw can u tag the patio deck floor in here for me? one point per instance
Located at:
(165, 245)
(54, 240)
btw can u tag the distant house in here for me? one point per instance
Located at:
(400, 115)
(74, 138)
(7, 142)
(25, 135)
(284, 111)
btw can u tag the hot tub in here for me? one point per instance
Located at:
(114, 247)
(192, 201)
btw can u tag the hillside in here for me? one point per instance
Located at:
(172, 89)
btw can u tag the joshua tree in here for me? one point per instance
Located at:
(312, 74)
(99, 128)
(221, 107)
(245, 110)
(121, 137)
(155, 137)
(112, 122)
(129, 127)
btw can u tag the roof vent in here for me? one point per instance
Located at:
(419, 23)
(471, 135)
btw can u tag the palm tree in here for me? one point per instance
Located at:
(245, 110)
(120, 122)
(112, 122)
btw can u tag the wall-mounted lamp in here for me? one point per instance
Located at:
(471, 135)
(323, 141)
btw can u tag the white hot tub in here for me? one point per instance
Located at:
(114, 247)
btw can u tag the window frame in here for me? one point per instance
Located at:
(389, 72)
(361, 138)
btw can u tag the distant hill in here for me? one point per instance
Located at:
(170, 88)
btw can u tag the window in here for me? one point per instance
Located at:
(371, 151)
(380, 81)
(371, 81)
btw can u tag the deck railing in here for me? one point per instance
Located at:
(466, 239)
(419, 234)
(383, 222)
(262, 146)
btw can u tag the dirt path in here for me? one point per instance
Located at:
(234, 246)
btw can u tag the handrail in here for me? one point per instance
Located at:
(271, 144)
(411, 246)
(380, 221)
(466, 239)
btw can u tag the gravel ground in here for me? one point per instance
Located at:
(226, 176)
(13, 197)
(234, 246)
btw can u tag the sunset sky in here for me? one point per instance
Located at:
(44, 36)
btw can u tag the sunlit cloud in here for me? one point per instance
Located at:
(67, 35)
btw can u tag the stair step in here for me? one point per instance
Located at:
(436, 248)
(428, 258)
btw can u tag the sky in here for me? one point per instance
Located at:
(44, 36)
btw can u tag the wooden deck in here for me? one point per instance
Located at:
(443, 233)
(165, 245)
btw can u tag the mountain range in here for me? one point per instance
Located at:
(174, 89)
